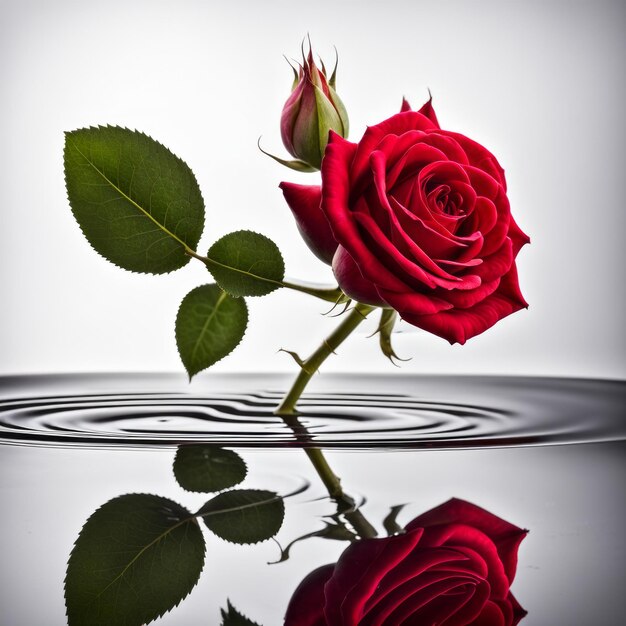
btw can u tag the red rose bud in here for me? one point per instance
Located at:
(312, 110)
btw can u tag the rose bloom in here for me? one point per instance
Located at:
(416, 218)
(453, 566)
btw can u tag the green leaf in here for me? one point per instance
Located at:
(206, 468)
(245, 263)
(135, 559)
(232, 617)
(244, 515)
(138, 204)
(210, 324)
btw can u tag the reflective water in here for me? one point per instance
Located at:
(343, 411)
(70, 444)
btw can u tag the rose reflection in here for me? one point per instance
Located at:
(453, 566)
(140, 555)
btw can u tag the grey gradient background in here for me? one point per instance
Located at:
(541, 84)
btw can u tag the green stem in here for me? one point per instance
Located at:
(328, 294)
(287, 410)
(312, 364)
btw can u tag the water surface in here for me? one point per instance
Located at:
(71, 443)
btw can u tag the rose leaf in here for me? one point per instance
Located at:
(135, 558)
(245, 263)
(138, 205)
(244, 515)
(206, 468)
(232, 617)
(210, 324)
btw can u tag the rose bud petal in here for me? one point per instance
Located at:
(304, 202)
(311, 111)
(307, 603)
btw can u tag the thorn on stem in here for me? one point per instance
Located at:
(294, 355)
(329, 347)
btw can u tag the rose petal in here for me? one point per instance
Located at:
(496, 264)
(396, 125)
(447, 144)
(429, 112)
(459, 325)
(408, 155)
(518, 612)
(306, 607)
(439, 242)
(491, 615)
(399, 237)
(358, 572)
(436, 603)
(463, 536)
(480, 157)
(288, 116)
(500, 531)
(411, 570)
(335, 205)
(465, 299)
(413, 302)
(405, 269)
(518, 237)
(351, 280)
(405, 105)
(304, 202)
(484, 216)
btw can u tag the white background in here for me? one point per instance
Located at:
(540, 83)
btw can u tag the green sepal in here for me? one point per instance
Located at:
(327, 119)
(390, 523)
(293, 164)
(388, 319)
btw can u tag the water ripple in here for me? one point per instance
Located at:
(431, 412)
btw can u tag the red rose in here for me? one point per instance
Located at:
(452, 567)
(417, 219)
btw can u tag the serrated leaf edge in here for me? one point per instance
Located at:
(232, 609)
(192, 519)
(219, 490)
(234, 347)
(277, 283)
(277, 497)
(67, 133)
